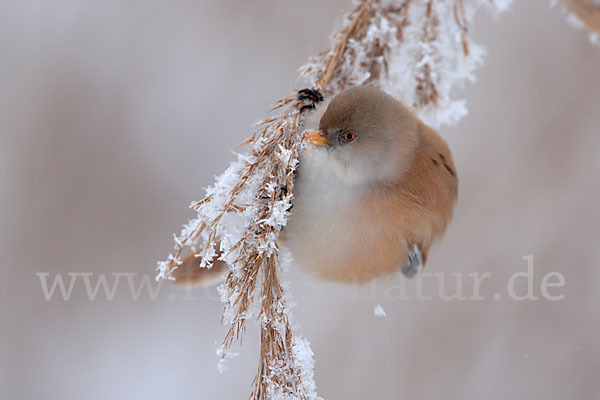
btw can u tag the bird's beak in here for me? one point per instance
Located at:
(317, 138)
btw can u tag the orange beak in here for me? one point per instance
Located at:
(315, 138)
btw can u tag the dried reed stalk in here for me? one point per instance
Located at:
(404, 47)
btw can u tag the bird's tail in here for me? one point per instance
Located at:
(189, 272)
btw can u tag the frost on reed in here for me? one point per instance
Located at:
(417, 50)
(580, 14)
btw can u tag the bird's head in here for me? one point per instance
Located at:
(370, 137)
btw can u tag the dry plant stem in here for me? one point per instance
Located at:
(426, 89)
(461, 21)
(588, 11)
(360, 14)
(276, 333)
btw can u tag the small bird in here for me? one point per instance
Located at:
(375, 188)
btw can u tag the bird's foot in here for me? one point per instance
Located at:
(284, 192)
(312, 95)
(414, 263)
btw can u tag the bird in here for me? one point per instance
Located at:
(374, 189)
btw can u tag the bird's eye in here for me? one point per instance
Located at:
(349, 136)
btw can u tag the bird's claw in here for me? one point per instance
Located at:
(310, 94)
(284, 192)
(313, 95)
(414, 263)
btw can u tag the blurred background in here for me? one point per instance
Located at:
(114, 115)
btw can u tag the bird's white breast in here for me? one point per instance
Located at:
(335, 231)
(328, 229)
